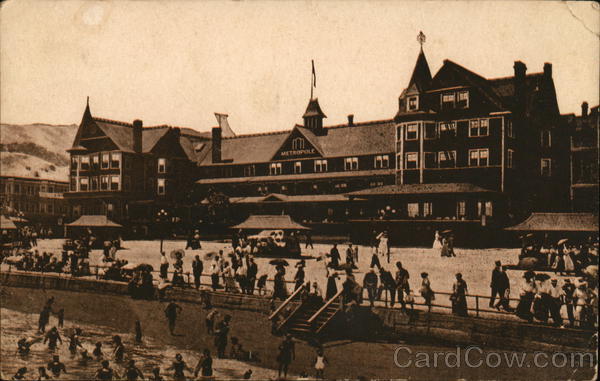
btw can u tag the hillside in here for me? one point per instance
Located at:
(36, 150)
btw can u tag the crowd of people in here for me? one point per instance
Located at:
(564, 257)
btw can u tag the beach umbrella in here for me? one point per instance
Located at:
(210, 255)
(562, 241)
(279, 262)
(177, 254)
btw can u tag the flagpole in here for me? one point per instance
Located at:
(311, 79)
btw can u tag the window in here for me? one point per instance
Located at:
(412, 209)
(373, 184)
(478, 157)
(431, 131)
(509, 159)
(412, 132)
(546, 167)
(115, 182)
(83, 184)
(95, 162)
(463, 99)
(341, 186)
(484, 208)
(546, 138)
(85, 162)
(94, 183)
(162, 165)
(298, 144)
(73, 185)
(103, 182)
(413, 103)
(461, 209)
(509, 128)
(478, 127)
(412, 160)
(447, 159)
(448, 101)
(427, 209)
(320, 165)
(430, 160)
(298, 167)
(447, 129)
(351, 163)
(161, 186)
(105, 160)
(382, 161)
(74, 161)
(115, 159)
(250, 170)
(275, 169)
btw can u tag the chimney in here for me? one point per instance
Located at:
(521, 70)
(584, 109)
(177, 131)
(547, 70)
(137, 135)
(350, 119)
(216, 144)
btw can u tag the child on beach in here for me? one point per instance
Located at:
(320, 361)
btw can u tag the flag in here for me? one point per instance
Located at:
(314, 74)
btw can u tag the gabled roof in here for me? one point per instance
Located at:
(314, 109)
(267, 222)
(6, 223)
(421, 76)
(94, 221)
(407, 189)
(366, 138)
(567, 222)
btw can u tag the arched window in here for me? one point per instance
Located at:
(298, 143)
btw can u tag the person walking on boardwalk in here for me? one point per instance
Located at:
(383, 247)
(495, 283)
(402, 284)
(504, 291)
(204, 366)
(279, 289)
(251, 274)
(370, 283)
(459, 296)
(179, 367)
(331, 283)
(56, 367)
(52, 337)
(287, 353)
(197, 268)
(210, 321)
(171, 313)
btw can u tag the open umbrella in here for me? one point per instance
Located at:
(177, 254)
(279, 262)
(211, 255)
(562, 241)
(144, 266)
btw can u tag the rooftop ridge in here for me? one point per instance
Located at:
(124, 124)
(512, 76)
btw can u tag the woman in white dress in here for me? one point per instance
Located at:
(383, 248)
(437, 241)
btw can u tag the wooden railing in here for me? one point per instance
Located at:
(286, 302)
(324, 307)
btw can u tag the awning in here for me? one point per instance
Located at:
(408, 189)
(266, 222)
(299, 177)
(282, 198)
(7, 224)
(567, 222)
(94, 221)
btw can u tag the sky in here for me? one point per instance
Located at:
(179, 62)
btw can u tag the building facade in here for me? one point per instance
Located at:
(584, 159)
(37, 200)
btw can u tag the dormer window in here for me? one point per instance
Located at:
(448, 100)
(413, 103)
(298, 144)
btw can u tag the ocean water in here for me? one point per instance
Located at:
(15, 325)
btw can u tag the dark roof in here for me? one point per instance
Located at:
(390, 190)
(94, 221)
(300, 176)
(421, 76)
(277, 197)
(338, 141)
(266, 222)
(313, 109)
(567, 222)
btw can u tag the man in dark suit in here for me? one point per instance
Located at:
(495, 283)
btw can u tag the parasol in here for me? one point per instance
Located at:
(562, 241)
(210, 255)
(144, 266)
(177, 254)
(279, 262)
